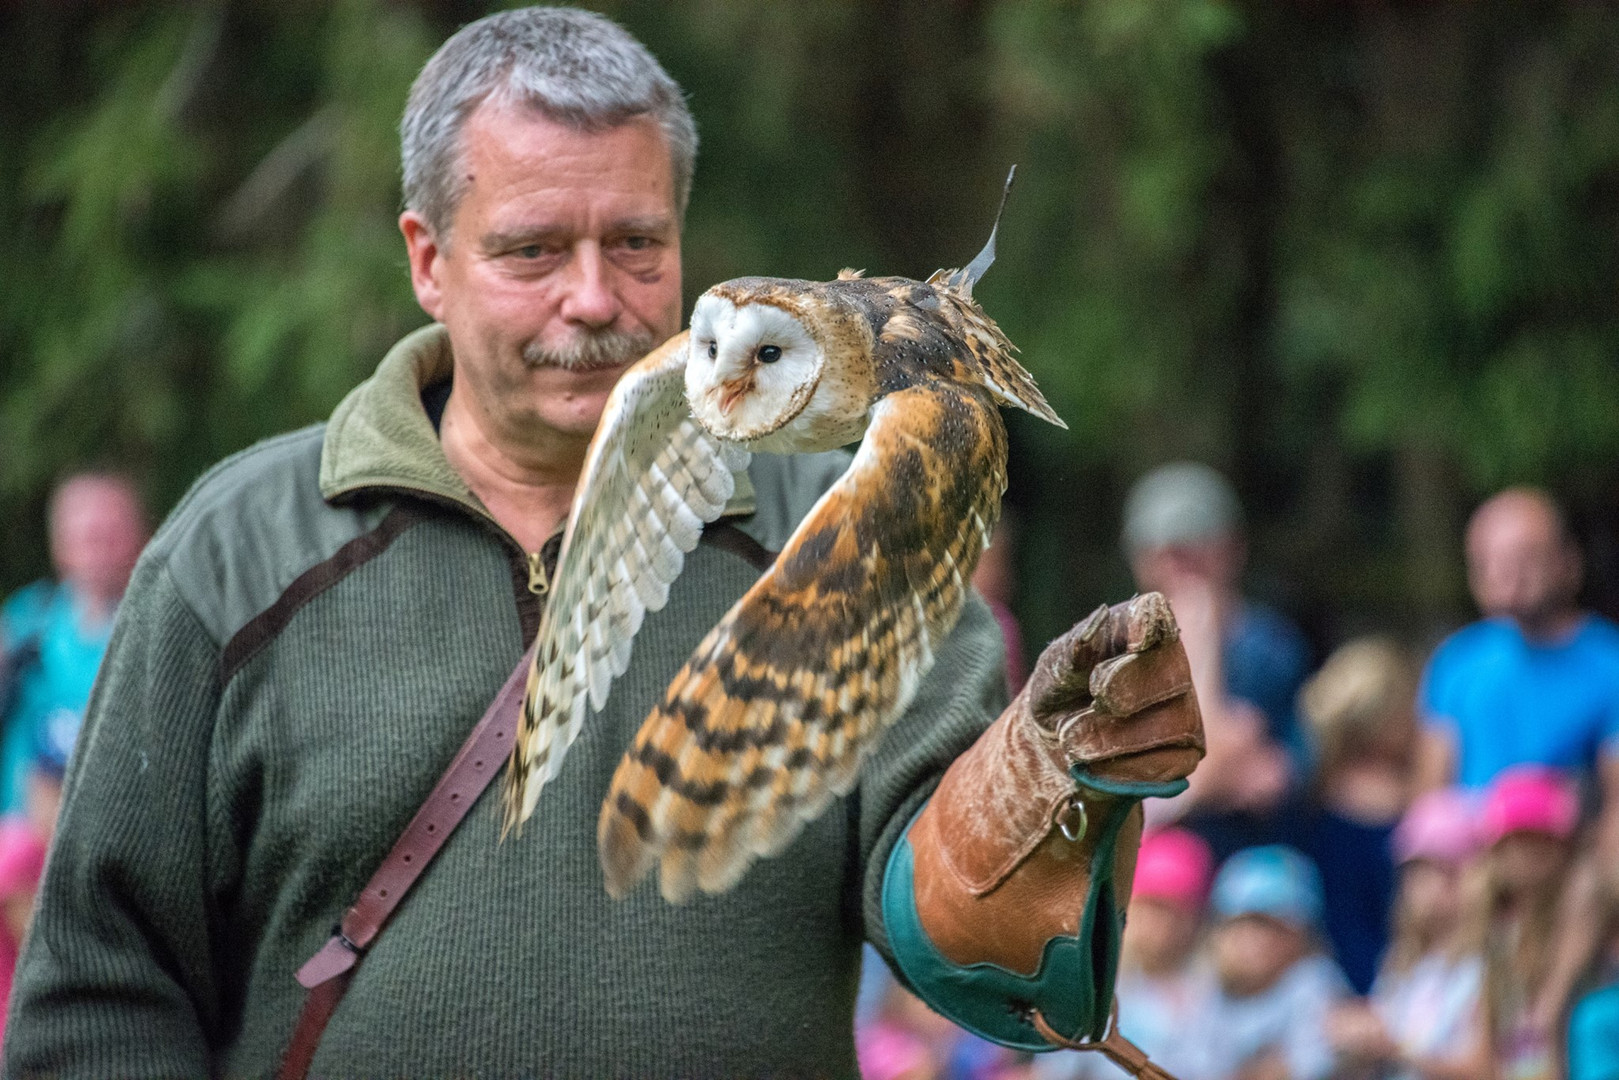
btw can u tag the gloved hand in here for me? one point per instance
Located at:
(1021, 862)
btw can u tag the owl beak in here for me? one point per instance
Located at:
(732, 391)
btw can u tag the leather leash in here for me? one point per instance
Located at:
(326, 975)
(1113, 1046)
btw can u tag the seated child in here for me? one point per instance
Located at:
(1528, 820)
(1161, 986)
(1423, 1018)
(23, 842)
(1593, 1027)
(1360, 712)
(1265, 1019)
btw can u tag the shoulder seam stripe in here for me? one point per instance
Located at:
(727, 537)
(263, 627)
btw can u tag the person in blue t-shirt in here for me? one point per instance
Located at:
(1535, 681)
(53, 633)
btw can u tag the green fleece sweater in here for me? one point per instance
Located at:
(306, 643)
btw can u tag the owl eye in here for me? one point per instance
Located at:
(769, 354)
(713, 349)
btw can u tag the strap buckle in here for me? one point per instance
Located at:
(337, 957)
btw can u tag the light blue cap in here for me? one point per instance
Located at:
(1275, 880)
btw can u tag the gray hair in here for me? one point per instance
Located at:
(575, 67)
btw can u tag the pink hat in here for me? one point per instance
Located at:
(1174, 865)
(1529, 798)
(1440, 825)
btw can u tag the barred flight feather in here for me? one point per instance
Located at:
(650, 456)
(773, 714)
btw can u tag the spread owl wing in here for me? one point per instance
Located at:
(773, 714)
(652, 478)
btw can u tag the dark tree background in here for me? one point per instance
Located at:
(1361, 256)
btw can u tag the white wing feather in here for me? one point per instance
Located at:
(652, 479)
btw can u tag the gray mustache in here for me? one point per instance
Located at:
(591, 351)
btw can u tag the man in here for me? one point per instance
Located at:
(321, 621)
(53, 633)
(1183, 536)
(1536, 681)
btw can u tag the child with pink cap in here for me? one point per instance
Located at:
(1161, 985)
(1528, 819)
(1422, 1019)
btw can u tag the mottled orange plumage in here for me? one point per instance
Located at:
(771, 717)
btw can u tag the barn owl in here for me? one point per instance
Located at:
(771, 717)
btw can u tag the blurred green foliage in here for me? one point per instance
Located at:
(1362, 257)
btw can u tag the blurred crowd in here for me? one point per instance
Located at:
(1388, 866)
(1393, 865)
(53, 634)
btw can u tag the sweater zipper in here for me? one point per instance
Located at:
(525, 565)
(539, 583)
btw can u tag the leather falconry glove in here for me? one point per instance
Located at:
(1004, 902)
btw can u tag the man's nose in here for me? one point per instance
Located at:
(591, 298)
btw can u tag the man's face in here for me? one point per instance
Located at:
(561, 266)
(1519, 562)
(97, 532)
(1177, 568)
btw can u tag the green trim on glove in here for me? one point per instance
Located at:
(1073, 986)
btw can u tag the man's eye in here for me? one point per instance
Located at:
(769, 354)
(638, 243)
(530, 251)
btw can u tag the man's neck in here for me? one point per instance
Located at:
(526, 481)
(94, 609)
(1551, 628)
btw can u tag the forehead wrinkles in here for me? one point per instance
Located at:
(523, 170)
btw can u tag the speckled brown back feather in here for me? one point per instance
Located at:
(780, 703)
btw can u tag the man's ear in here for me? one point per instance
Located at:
(424, 251)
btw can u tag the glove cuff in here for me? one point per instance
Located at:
(1007, 892)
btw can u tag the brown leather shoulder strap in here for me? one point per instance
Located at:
(326, 974)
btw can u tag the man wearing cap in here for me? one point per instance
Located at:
(1184, 538)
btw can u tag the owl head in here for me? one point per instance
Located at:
(754, 364)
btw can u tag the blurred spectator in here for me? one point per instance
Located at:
(1183, 537)
(1161, 984)
(1536, 681)
(53, 634)
(24, 840)
(1528, 818)
(906, 1040)
(1265, 1019)
(1423, 1021)
(1358, 710)
(996, 579)
(1593, 1029)
(899, 1041)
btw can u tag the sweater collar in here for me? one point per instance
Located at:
(380, 436)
